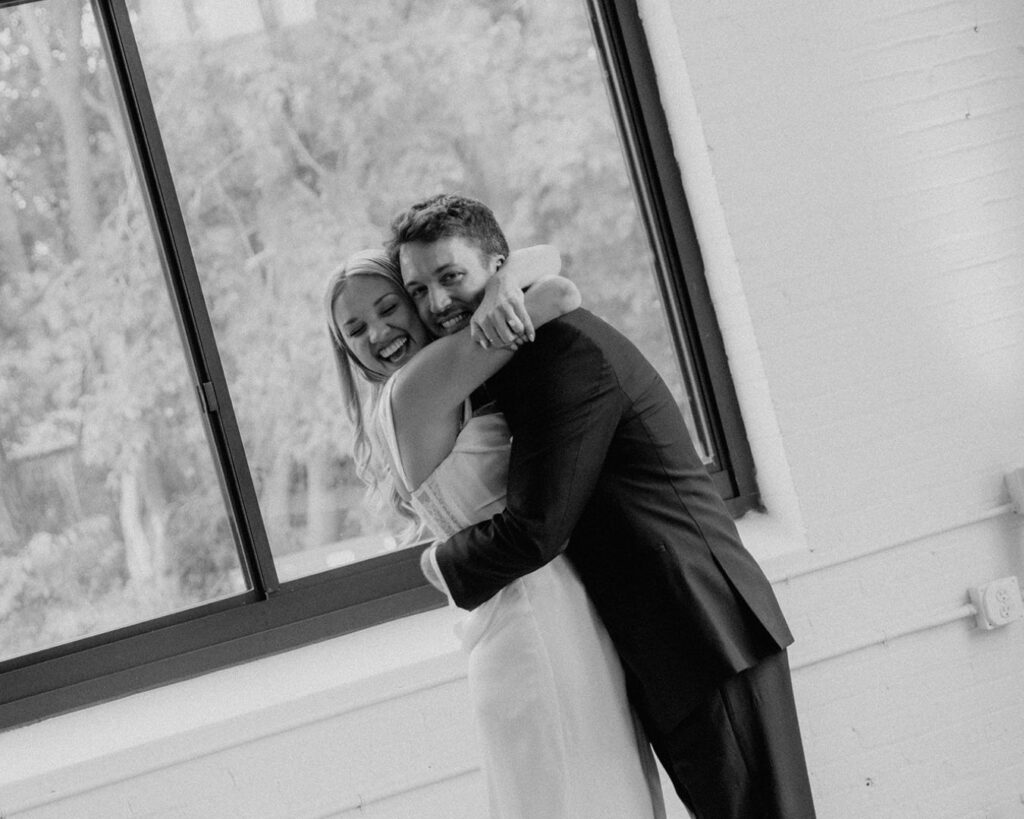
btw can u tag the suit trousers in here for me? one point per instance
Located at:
(739, 755)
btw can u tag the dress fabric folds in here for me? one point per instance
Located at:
(557, 736)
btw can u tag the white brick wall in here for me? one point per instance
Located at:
(857, 174)
(926, 725)
(868, 161)
(878, 233)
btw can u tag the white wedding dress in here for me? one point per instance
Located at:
(557, 736)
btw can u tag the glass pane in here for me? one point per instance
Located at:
(296, 129)
(110, 509)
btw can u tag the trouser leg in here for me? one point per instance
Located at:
(740, 755)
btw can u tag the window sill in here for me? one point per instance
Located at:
(226, 707)
(771, 538)
(146, 731)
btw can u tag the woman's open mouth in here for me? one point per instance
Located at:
(393, 351)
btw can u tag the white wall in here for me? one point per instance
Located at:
(857, 176)
(860, 175)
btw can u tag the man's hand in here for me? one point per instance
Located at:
(501, 319)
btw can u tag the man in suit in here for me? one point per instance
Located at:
(602, 467)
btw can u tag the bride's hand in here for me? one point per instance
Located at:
(501, 320)
(430, 571)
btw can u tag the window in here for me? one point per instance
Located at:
(180, 176)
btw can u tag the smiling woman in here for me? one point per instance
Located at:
(378, 324)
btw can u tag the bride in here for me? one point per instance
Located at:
(558, 739)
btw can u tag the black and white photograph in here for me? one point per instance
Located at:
(511, 409)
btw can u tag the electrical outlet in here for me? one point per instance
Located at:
(998, 602)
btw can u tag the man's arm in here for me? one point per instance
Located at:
(567, 408)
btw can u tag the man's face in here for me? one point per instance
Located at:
(446, 280)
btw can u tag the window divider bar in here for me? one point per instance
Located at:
(182, 278)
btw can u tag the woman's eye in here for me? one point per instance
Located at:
(357, 330)
(388, 309)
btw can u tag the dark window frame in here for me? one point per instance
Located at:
(275, 616)
(679, 266)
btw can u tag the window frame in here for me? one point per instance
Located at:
(679, 265)
(272, 616)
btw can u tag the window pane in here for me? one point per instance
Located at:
(110, 509)
(296, 129)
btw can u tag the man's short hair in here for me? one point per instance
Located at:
(446, 215)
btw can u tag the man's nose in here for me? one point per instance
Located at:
(439, 300)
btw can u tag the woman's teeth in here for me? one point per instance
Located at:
(392, 349)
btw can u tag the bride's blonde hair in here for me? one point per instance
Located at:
(360, 404)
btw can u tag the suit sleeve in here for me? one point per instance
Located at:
(564, 406)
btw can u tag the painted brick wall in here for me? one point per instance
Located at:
(870, 166)
(867, 162)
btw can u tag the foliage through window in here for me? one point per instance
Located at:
(111, 511)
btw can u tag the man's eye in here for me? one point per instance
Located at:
(450, 278)
(416, 294)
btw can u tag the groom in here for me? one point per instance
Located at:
(602, 466)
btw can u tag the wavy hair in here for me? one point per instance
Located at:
(371, 465)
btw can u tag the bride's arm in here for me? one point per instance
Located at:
(429, 390)
(502, 316)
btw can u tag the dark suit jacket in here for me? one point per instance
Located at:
(602, 461)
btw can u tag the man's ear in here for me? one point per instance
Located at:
(497, 260)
